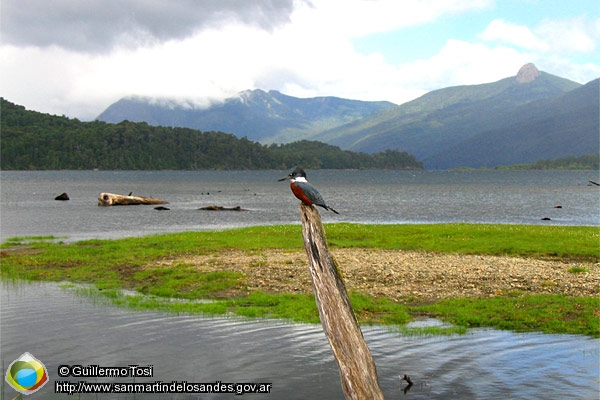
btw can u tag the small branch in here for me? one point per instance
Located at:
(357, 369)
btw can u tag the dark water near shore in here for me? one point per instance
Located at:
(60, 327)
(28, 208)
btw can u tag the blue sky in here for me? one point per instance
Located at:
(425, 40)
(75, 58)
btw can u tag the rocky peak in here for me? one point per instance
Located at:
(527, 73)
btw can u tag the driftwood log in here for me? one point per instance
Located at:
(357, 369)
(111, 199)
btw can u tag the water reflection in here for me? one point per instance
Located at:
(60, 327)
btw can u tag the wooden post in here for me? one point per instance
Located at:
(357, 369)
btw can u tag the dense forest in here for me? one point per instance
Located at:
(37, 141)
(585, 162)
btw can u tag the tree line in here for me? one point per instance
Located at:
(584, 162)
(38, 141)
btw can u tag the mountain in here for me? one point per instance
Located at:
(35, 141)
(255, 114)
(443, 118)
(521, 119)
(562, 126)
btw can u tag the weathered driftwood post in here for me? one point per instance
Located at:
(111, 199)
(357, 369)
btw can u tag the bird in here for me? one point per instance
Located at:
(304, 191)
(407, 379)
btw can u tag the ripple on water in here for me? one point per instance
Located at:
(59, 327)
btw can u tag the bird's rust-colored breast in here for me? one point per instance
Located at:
(299, 193)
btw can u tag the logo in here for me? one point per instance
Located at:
(26, 374)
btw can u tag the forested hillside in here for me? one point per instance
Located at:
(558, 127)
(37, 141)
(510, 121)
(585, 162)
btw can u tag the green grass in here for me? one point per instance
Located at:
(522, 313)
(556, 242)
(291, 307)
(112, 265)
(20, 240)
(577, 270)
(512, 240)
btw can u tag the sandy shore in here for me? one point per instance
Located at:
(405, 274)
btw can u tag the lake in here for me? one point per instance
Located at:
(58, 326)
(28, 208)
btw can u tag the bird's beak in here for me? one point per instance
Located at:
(284, 178)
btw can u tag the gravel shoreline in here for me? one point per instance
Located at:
(398, 274)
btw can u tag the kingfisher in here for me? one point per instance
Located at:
(304, 191)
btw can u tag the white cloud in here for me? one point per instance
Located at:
(354, 18)
(569, 35)
(553, 45)
(43, 80)
(463, 63)
(312, 55)
(513, 34)
(549, 36)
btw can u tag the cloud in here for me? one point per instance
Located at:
(82, 56)
(462, 63)
(355, 18)
(574, 35)
(569, 36)
(553, 45)
(309, 56)
(513, 34)
(100, 25)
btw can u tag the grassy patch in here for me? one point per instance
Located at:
(112, 265)
(379, 311)
(522, 313)
(577, 270)
(188, 283)
(22, 240)
(555, 242)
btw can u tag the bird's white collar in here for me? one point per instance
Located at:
(299, 179)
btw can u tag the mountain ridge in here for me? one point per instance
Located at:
(435, 125)
(546, 124)
(437, 117)
(255, 114)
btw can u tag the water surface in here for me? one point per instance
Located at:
(59, 327)
(28, 208)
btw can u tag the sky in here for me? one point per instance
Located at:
(75, 58)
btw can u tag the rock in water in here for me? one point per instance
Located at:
(221, 208)
(62, 197)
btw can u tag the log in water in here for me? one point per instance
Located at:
(111, 199)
